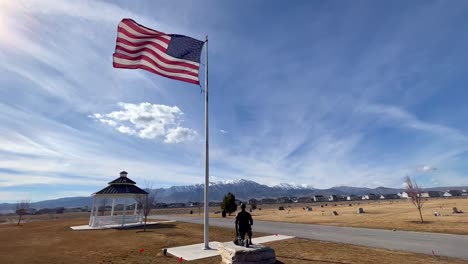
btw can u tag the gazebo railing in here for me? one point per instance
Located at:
(116, 220)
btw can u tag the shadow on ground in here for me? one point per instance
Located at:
(307, 259)
(150, 227)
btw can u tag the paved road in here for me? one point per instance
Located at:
(419, 242)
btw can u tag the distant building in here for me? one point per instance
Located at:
(389, 196)
(464, 192)
(304, 199)
(370, 196)
(253, 201)
(404, 195)
(333, 198)
(451, 193)
(195, 204)
(352, 197)
(430, 194)
(319, 198)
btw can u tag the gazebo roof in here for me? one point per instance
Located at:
(122, 185)
(122, 189)
(122, 180)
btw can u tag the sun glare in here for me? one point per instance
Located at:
(8, 11)
(5, 8)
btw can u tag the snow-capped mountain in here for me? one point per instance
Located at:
(293, 186)
(241, 188)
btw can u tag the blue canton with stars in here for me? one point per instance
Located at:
(186, 48)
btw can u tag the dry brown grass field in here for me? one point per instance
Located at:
(397, 214)
(51, 241)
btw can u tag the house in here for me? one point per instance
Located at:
(370, 196)
(352, 197)
(319, 198)
(333, 198)
(253, 201)
(389, 196)
(304, 199)
(404, 195)
(464, 192)
(430, 194)
(451, 193)
(293, 199)
(447, 194)
(193, 204)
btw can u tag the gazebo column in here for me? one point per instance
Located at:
(136, 205)
(91, 217)
(96, 211)
(113, 204)
(124, 212)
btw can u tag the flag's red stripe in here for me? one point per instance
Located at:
(141, 44)
(130, 35)
(118, 65)
(140, 28)
(159, 57)
(155, 64)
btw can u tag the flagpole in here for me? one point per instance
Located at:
(207, 171)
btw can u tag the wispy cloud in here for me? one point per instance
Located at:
(426, 168)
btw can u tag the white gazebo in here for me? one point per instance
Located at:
(119, 189)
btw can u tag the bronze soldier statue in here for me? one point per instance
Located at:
(243, 225)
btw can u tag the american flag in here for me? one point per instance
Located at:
(169, 55)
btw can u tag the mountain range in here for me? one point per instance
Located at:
(242, 189)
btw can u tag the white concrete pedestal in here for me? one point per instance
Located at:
(232, 254)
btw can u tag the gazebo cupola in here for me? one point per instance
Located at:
(121, 188)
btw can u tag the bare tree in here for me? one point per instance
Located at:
(146, 202)
(22, 209)
(415, 194)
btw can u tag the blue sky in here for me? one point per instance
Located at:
(325, 93)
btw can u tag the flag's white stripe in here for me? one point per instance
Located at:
(138, 34)
(153, 67)
(157, 61)
(159, 52)
(147, 30)
(136, 41)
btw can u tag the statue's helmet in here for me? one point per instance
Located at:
(242, 205)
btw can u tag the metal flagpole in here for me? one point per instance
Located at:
(207, 171)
